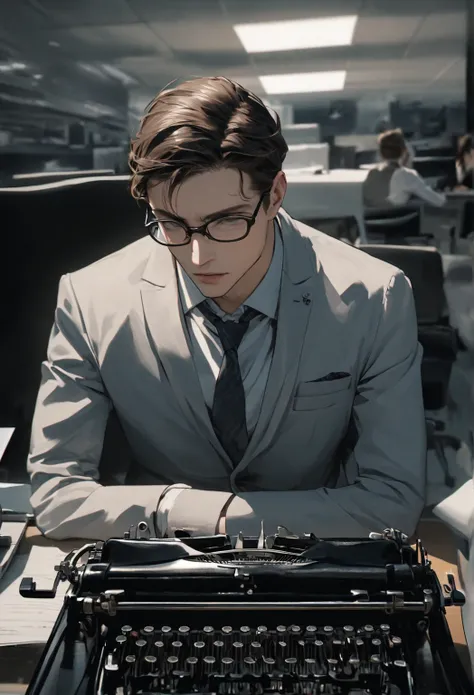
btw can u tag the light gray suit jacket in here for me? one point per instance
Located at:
(118, 340)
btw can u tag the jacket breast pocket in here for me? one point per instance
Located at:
(313, 395)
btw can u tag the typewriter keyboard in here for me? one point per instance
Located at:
(232, 659)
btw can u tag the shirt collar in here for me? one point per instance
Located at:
(263, 299)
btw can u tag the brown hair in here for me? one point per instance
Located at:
(392, 144)
(203, 124)
(465, 146)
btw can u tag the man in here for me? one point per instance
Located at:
(392, 183)
(260, 370)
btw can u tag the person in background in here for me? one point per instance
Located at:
(465, 182)
(392, 183)
(465, 163)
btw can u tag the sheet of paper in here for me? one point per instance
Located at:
(15, 496)
(457, 510)
(5, 436)
(30, 620)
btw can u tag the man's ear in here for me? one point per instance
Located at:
(277, 193)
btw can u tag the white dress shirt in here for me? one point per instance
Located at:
(406, 184)
(256, 349)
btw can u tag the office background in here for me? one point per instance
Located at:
(75, 77)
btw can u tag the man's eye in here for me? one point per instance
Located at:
(169, 224)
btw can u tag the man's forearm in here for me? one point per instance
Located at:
(351, 511)
(85, 509)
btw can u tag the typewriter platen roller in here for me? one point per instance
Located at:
(278, 613)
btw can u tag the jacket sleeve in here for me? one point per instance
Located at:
(390, 453)
(68, 430)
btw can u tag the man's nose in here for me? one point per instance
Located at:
(201, 250)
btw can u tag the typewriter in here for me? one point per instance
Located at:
(240, 616)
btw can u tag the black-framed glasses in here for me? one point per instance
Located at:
(225, 229)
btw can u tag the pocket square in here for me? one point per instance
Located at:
(332, 376)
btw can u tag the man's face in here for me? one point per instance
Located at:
(216, 267)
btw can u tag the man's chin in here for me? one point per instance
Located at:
(216, 289)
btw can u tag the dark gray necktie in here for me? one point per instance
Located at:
(228, 414)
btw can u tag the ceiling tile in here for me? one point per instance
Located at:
(87, 12)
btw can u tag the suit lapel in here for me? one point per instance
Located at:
(167, 333)
(295, 306)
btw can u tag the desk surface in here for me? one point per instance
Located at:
(18, 662)
(356, 176)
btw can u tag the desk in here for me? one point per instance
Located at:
(18, 662)
(332, 195)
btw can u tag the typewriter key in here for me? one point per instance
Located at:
(209, 664)
(111, 664)
(396, 649)
(140, 645)
(399, 663)
(166, 631)
(184, 630)
(120, 642)
(147, 631)
(176, 647)
(320, 652)
(227, 664)
(281, 630)
(354, 662)
(375, 663)
(132, 664)
(191, 665)
(328, 630)
(376, 644)
(332, 665)
(369, 630)
(310, 667)
(268, 664)
(218, 644)
(208, 631)
(150, 664)
(227, 635)
(261, 630)
(256, 649)
(198, 648)
(126, 630)
(171, 664)
(311, 631)
(250, 664)
(290, 664)
(238, 651)
(159, 648)
(295, 629)
(348, 631)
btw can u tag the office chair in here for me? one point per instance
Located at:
(53, 229)
(395, 225)
(423, 267)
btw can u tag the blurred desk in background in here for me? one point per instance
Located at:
(334, 194)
